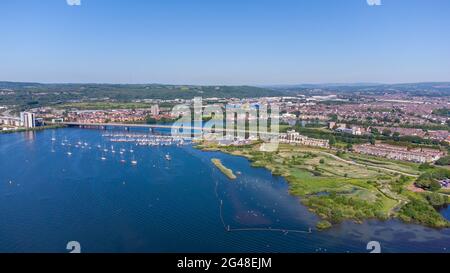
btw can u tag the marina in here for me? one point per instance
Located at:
(126, 141)
(146, 139)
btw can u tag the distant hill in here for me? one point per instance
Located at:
(27, 95)
(412, 89)
(37, 94)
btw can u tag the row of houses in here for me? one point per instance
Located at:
(293, 137)
(419, 155)
(342, 128)
(440, 135)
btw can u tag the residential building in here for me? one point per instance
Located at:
(419, 155)
(293, 137)
(28, 119)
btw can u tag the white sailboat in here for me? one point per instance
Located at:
(103, 157)
(134, 161)
(122, 159)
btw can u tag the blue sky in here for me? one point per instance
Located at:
(225, 42)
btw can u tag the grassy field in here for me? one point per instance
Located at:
(337, 190)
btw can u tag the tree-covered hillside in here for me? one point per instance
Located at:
(36, 94)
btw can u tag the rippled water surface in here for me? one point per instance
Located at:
(48, 198)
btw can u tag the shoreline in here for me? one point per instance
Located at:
(316, 202)
(35, 129)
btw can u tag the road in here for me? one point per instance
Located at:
(160, 126)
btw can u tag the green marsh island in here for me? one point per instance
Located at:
(226, 171)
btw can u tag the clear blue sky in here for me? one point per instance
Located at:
(225, 41)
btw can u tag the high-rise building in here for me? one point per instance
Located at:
(155, 110)
(28, 119)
